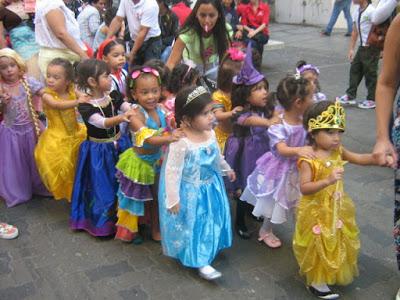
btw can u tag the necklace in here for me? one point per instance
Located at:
(114, 132)
(13, 84)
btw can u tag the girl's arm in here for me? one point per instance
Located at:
(261, 122)
(151, 136)
(286, 151)
(58, 104)
(354, 37)
(358, 159)
(309, 187)
(222, 115)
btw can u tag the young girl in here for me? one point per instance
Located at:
(249, 139)
(56, 153)
(326, 241)
(273, 186)
(95, 185)
(194, 210)
(19, 130)
(181, 76)
(112, 52)
(311, 73)
(138, 166)
(230, 66)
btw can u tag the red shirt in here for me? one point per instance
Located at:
(255, 19)
(181, 11)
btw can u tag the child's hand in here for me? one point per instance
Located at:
(231, 175)
(126, 116)
(82, 98)
(175, 209)
(5, 96)
(176, 135)
(236, 110)
(274, 120)
(307, 152)
(336, 175)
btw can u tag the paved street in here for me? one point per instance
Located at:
(48, 261)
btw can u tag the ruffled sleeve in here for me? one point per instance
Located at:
(242, 117)
(86, 110)
(224, 166)
(277, 133)
(34, 85)
(143, 134)
(173, 172)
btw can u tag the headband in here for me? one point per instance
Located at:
(100, 51)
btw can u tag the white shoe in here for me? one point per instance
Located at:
(8, 232)
(398, 295)
(209, 273)
(344, 100)
(367, 104)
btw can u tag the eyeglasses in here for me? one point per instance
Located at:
(137, 73)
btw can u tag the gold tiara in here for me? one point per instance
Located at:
(200, 90)
(333, 117)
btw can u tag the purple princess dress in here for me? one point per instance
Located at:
(19, 177)
(243, 147)
(273, 186)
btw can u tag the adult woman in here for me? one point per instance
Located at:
(15, 20)
(203, 40)
(89, 20)
(385, 152)
(254, 24)
(57, 33)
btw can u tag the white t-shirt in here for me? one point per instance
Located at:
(44, 35)
(145, 13)
(363, 21)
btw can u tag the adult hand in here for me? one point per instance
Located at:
(350, 55)
(238, 35)
(251, 33)
(385, 154)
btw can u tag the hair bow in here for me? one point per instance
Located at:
(236, 54)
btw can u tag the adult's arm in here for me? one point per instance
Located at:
(3, 42)
(176, 54)
(115, 25)
(56, 21)
(385, 93)
(139, 42)
(383, 11)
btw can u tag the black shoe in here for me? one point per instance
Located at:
(242, 232)
(323, 295)
(348, 34)
(325, 33)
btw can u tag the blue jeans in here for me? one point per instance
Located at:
(340, 5)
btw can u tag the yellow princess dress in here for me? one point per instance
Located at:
(221, 100)
(57, 149)
(326, 242)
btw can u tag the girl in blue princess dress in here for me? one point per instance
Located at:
(194, 211)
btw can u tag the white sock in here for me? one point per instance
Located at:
(207, 269)
(322, 287)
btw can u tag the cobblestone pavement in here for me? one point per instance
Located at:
(48, 261)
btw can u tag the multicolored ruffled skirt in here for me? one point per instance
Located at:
(136, 175)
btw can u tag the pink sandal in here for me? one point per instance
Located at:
(8, 232)
(270, 240)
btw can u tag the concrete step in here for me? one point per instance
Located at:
(274, 45)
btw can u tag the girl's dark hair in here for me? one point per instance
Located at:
(66, 65)
(313, 112)
(240, 94)
(107, 49)
(300, 63)
(187, 2)
(191, 110)
(90, 68)
(227, 70)
(220, 34)
(109, 15)
(181, 76)
(160, 66)
(291, 88)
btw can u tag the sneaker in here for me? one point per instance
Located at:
(348, 34)
(323, 295)
(325, 33)
(367, 104)
(8, 232)
(345, 100)
(209, 273)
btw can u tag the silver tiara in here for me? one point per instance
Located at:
(200, 90)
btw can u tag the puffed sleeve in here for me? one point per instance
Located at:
(34, 85)
(86, 110)
(277, 133)
(173, 172)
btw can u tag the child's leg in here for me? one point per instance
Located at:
(267, 236)
(241, 207)
(153, 206)
(370, 60)
(356, 75)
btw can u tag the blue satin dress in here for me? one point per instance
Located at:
(192, 174)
